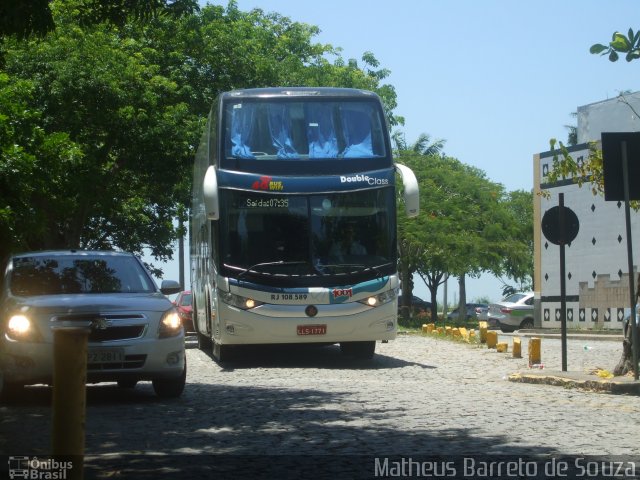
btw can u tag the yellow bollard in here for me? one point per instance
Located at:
(502, 347)
(69, 397)
(482, 326)
(430, 327)
(517, 347)
(464, 333)
(455, 332)
(425, 328)
(447, 331)
(492, 338)
(535, 351)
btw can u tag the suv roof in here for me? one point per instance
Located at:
(49, 253)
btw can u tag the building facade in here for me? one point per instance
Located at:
(596, 262)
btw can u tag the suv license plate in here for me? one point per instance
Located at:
(106, 355)
(312, 329)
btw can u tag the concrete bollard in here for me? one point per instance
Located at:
(430, 327)
(455, 332)
(447, 331)
(425, 328)
(492, 338)
(502, 347)
(535, 351)
(482, 326)
(464, 333)
(69, 396)
(517, 347)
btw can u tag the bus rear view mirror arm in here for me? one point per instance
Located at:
(411, 191)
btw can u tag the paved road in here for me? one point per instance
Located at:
(418, 396)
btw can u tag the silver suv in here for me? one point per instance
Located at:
(135, 331)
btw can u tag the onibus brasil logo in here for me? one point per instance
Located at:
(38, 468)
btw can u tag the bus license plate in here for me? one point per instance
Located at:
(106, 355)
(312, 329)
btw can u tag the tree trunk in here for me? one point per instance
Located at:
(462, 301)
(433, 290)
(625, 365)
(407, 292)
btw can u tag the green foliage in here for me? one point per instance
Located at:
(25, 18)
(99, 120)
(467, 224)
(629, 45)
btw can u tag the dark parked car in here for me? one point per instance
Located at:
(417, 305)
(183, 304)
(135, 332)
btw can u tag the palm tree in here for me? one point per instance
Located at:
(422, 146)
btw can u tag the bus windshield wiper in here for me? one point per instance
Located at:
(266, 264)
(377, 268)
(356, 267)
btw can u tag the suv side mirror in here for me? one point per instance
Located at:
(169, 287)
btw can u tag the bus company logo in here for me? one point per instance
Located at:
(364, 179)
(37, 468)
(267, 183)
(342, 292)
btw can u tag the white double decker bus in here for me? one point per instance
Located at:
(293, 229)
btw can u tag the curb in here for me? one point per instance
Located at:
(616, 385)
(594, 337)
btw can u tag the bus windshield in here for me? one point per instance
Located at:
(307, 235)
(259, 129)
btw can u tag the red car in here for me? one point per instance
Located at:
(183, 303)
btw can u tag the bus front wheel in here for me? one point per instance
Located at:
(359, 350)
(222, 353)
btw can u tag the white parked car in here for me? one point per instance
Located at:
(135, 331)
(513, 313)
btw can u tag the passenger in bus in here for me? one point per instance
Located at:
(347, 245)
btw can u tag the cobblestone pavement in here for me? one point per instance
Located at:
(418, 396)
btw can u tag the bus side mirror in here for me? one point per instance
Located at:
(210, 191)
(411, 190)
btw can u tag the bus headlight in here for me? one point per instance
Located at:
(20, 327)
(170, 324)
(380, 299)
(239, 301)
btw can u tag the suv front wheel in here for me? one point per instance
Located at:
(170, 387)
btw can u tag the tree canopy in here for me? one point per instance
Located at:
(27, 18)
(99, 119)
(467, 224)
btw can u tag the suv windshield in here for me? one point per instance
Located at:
(67, 274)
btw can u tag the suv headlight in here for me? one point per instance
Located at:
(380, 299)
(239, 301)
(170, 324)
(21, 328)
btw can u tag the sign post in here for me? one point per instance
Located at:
(560, 226)
(617, 172)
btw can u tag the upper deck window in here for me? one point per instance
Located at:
(294, 130)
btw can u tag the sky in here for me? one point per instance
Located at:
(495, 79)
